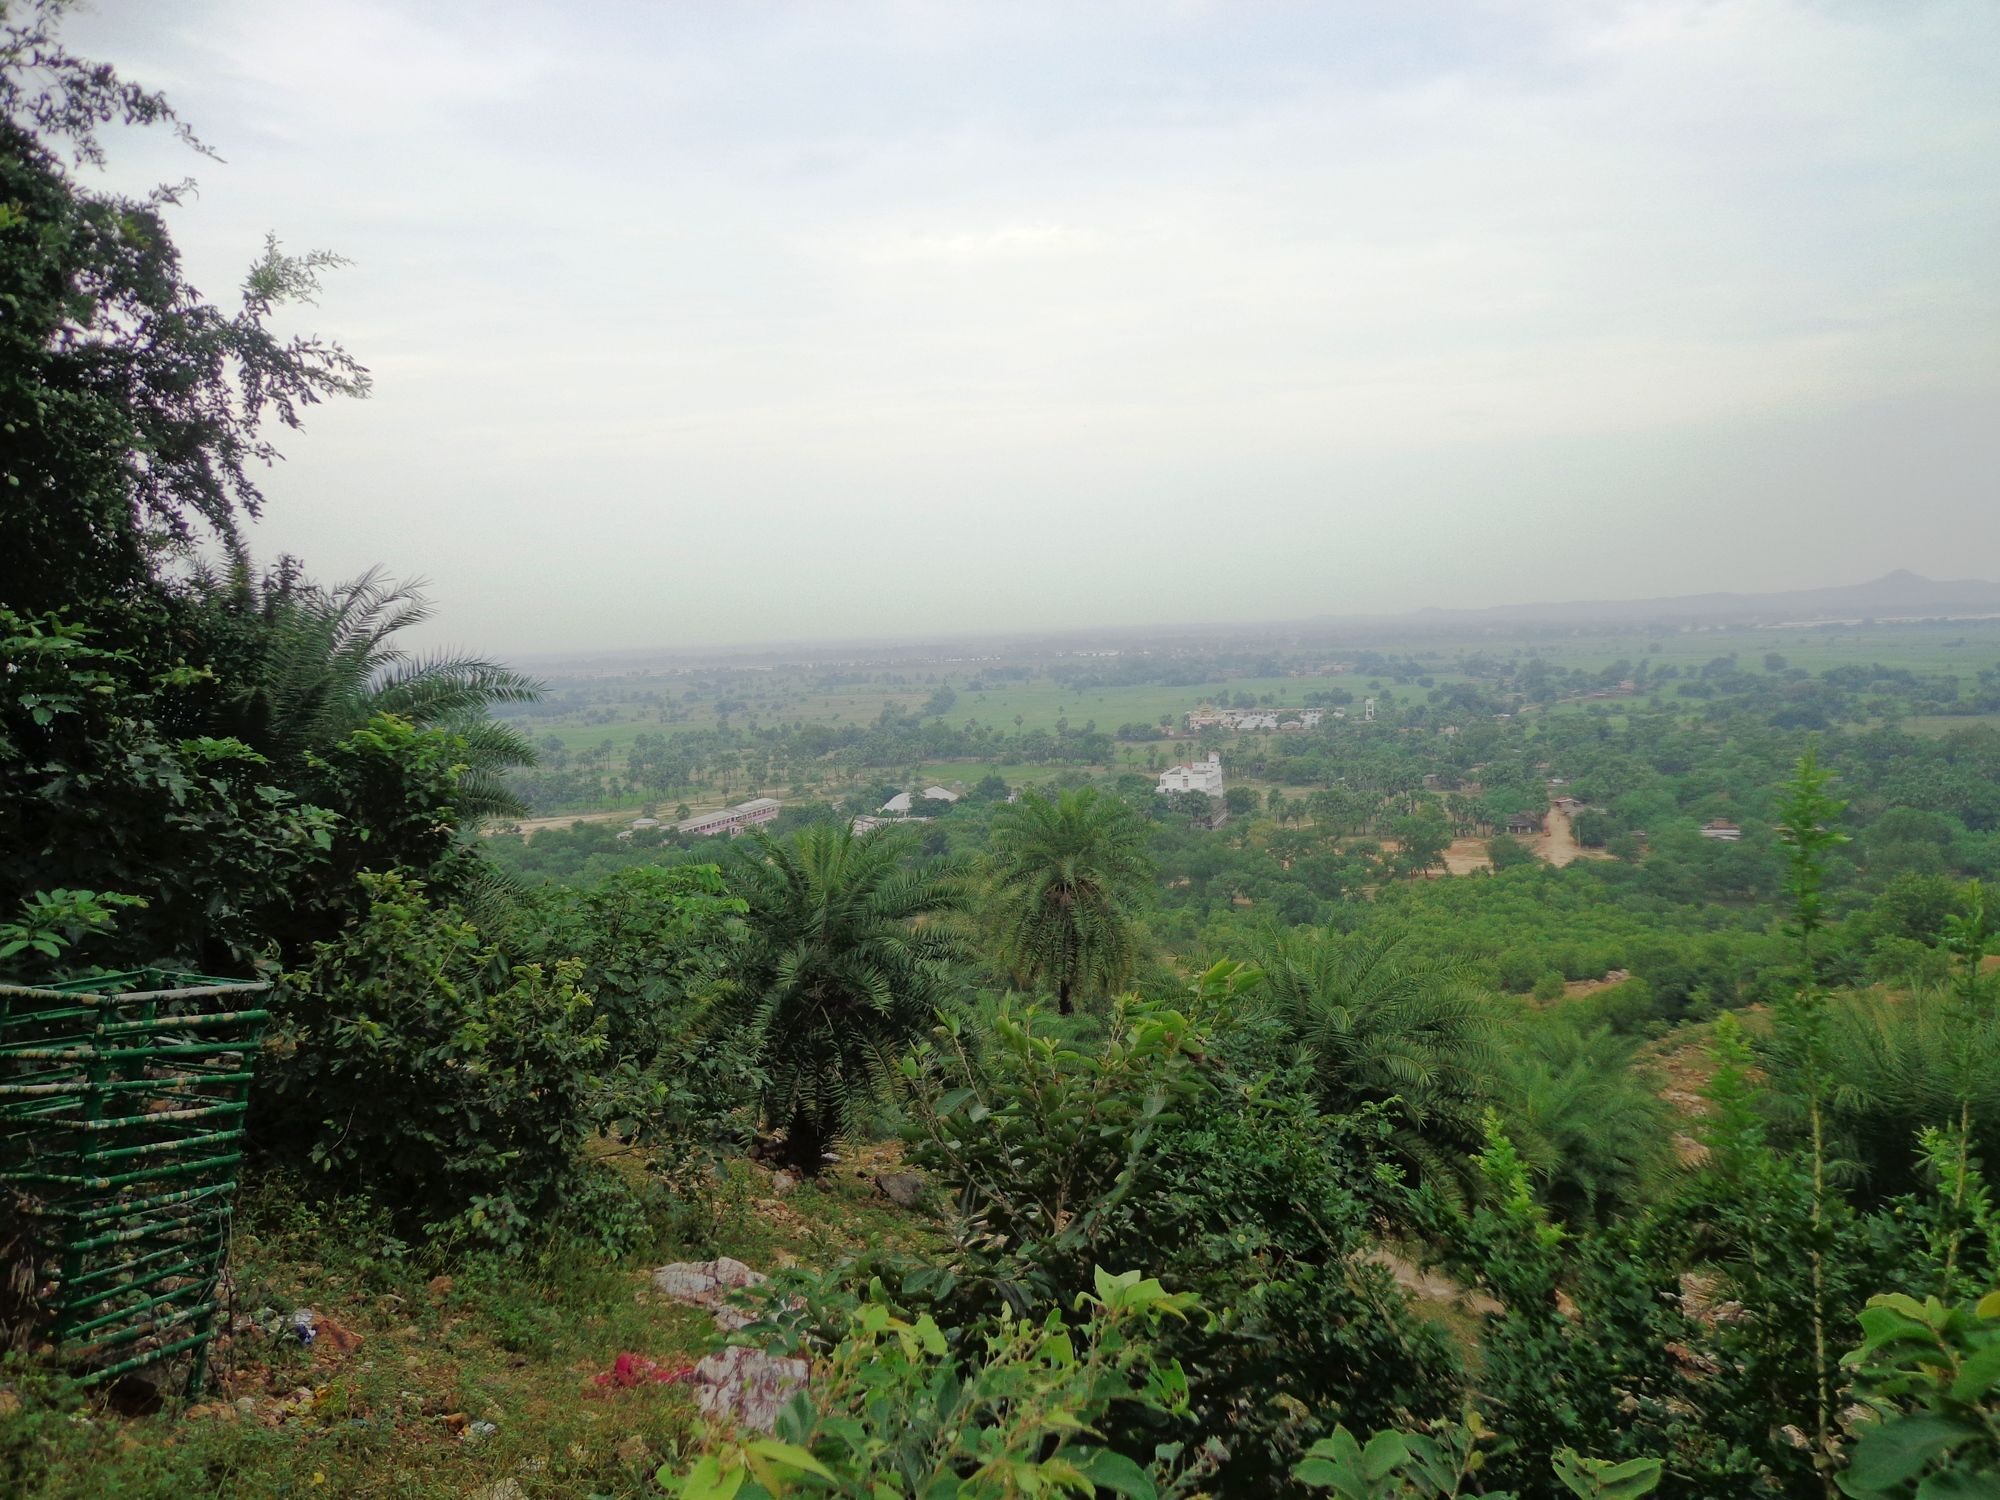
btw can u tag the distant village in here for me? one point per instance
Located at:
(1203, 776)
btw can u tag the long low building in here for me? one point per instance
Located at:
(731, 820)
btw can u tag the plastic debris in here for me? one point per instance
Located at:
(305, 1325)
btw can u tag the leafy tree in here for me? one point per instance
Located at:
(134, 413)
(848, 958)
(133, 408)
(1065, 881)
(1424, 839)
(1063, 1153)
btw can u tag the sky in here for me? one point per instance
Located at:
(694, 323)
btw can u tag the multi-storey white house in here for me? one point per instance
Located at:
(1201, 776)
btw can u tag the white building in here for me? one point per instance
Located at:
(731, 820)
(868, 823)
(1202, 776)
(900, 804)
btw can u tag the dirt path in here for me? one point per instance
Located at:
(563, 820)
(617, 815)
(1557, 842)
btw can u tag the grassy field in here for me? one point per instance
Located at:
(610, 713)
(431, 1345)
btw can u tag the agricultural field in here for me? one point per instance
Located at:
(705, 732)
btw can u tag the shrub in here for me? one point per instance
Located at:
(894, 1412)
(411, 1061)
(1071, 1154)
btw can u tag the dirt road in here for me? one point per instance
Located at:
(1557, 843)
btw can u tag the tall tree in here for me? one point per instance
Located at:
(849, 955)
(134, 414)
(134, 409)
(1065, 881)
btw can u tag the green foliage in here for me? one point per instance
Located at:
(1590, 1128)
(893, 1411)
(53, 921)
(1066, 1153)
(412, 1061)
(132, 406)
(848, 959)
(1383, 1027)
(656, 948)
(1065, 880)
(1931, 1374)
(1445, 1462)
(1043, 1138)
(309, 666)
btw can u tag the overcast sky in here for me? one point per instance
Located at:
(699, 323)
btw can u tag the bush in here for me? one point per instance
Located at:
(411, 1062)
(1072, 1153)
(895, 1411)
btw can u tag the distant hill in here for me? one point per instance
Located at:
(1901, 595)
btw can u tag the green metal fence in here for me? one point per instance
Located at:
(122, 1100)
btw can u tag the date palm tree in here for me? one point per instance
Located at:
(850, 954)
(1381, 1026)
(1065, 877)
(317, 663)
(1591, 1129)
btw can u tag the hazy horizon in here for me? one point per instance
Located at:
(703, 325)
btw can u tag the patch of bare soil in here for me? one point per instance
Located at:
(1466, 857)
(1432, 1286)
(1576, 987)
(1684, 1066)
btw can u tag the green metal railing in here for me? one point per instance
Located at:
(122, 1100)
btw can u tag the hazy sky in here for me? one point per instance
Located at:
(695, 323)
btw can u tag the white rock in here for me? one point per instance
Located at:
(747, 1386)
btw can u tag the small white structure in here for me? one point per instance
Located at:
(899, 805)
(731, 820)
(868, 823)
(1721, 828)
(1202, 776)
(1310, 717)
(1368, 710)
(640, 824)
